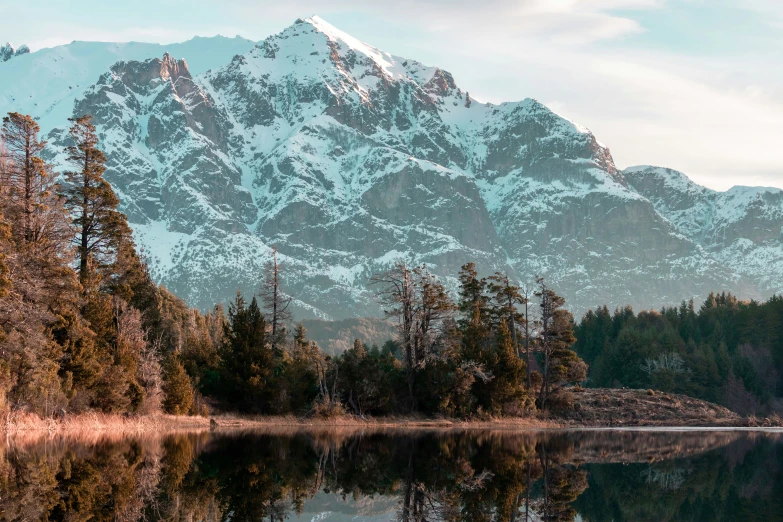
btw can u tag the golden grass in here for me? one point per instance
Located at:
(93, 422)
(15, 422)
(598, 408)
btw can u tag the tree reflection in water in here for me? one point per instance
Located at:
(410, 477)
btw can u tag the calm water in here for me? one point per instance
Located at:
(592, 475)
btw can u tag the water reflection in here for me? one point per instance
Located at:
(596, 476)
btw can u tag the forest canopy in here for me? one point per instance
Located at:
(727, 351)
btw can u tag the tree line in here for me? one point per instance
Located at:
(453, 358)
(727, 351)
(84, 326)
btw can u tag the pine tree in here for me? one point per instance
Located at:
(26, 174)
(472, 294)
(508, 371)
(178, 389)
(431, 307)
(478, 355)
(99, 227)
(247, 361)
(561, 364)
(505, 299)
(300, 335)
(276, 303)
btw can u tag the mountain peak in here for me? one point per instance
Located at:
(171, 68)
(303, 43)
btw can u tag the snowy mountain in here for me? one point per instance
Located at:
(46, 83)
(347, 158)
(742, 228)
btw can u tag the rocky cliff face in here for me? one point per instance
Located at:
(347, 158)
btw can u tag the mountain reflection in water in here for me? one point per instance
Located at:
(408, 476)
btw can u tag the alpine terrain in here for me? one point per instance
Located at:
(347, 158)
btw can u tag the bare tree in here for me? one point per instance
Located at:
(276, 303)
(397, 294)
(528, 330)
(133, 346)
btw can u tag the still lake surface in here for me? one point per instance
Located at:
(280, 475)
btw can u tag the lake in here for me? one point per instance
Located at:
(342, 475)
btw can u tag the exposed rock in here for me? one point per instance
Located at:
(8, 51)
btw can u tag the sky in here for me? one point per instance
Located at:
(693, 85)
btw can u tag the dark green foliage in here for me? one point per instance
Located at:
(727, 351)
(248, 368)
(367, 380)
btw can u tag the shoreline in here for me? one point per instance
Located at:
(96, 423)
(593, 409)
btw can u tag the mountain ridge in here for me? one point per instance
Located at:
(346, 158)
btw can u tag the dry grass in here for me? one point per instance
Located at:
(90, 423)
(622, 407)
(595, 408)
(16, 422)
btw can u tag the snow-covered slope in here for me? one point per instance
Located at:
(347, 158)
(742, 228)
(47, 82)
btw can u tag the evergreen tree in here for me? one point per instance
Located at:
(478, 355)
(300, 335)
(431, 307)
(98, 226)
(472, 295)
(505, 300)
(247, 361)
(561, 364)
(509, 374)
(178, 388)
(26, 175)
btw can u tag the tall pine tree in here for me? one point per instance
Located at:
(100, 228)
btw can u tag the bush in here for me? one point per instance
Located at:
(325, 409)
(561, 401)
